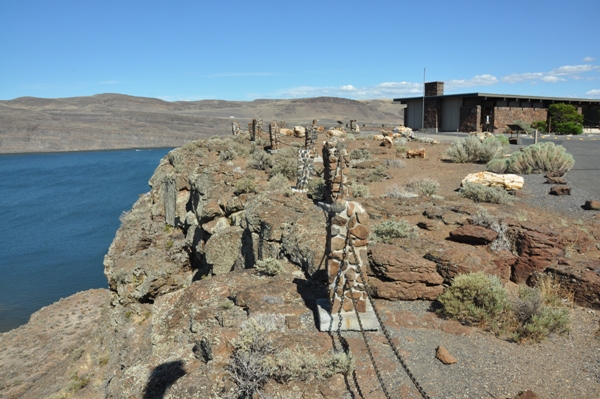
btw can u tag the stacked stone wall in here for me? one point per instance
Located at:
(503, 116)
(347, 260)
(336, 163)
(274, 135)
(235, 128)
(470, 119)
(433, 113)
(434, 89)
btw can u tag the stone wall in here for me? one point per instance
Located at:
(470, 119)
(503, 116)
(336, 163)
(433, 114)
(434, 89)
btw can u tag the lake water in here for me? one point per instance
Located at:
(59, 214)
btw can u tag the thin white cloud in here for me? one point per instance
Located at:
(478, 80)
(594, 93)
(382, 90)
(238, 74)
(588, 59)
(348, 88)
(556, 75)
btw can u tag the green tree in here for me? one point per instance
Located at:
(565, 119)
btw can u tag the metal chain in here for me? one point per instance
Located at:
(362, 331)
(386, 333)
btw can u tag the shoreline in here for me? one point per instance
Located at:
(97, 150)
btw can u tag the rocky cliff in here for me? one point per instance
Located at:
(184, 294)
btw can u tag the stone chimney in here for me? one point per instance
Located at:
(434, 89)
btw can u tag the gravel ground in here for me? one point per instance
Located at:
(535, 193)
(562, 367)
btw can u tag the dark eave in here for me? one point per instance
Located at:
(505, 97)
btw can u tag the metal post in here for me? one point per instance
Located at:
(423, 111)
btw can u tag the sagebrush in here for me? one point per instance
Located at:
(481, 193)
(389, 229)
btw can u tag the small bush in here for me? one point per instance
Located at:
(503, 241)
(396, 191)
(470, 149)
(394, 164)
(389, 229)
(260, 160)
(227, 155)
(360, 154)
(377, 174)
(540, 158)
(279, 183)
(475, 298)
(286, 166)
(269, 267)
(497, 165)
(401, 150)
(244, 185)
(360, 190)
(568, 128)
(502, 139)
(316, 189)
(542, 126)
(481, 193)
(427, 187)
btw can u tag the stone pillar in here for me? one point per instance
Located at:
(306, 160)
(346, 263)
(310, 138)
(251, 129)
(170, 198)
(235, 128)
(336, 162)
(274, 135)
(353, 125)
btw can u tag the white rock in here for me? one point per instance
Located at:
(508, 181)
(299, 131)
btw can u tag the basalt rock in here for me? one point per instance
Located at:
(474, 235)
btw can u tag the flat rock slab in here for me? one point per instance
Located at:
(327, 322)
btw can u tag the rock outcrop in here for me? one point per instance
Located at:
(508, 181)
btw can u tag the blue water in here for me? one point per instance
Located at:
(59, 213)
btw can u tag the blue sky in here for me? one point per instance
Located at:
(244, 50)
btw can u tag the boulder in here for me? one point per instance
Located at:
(554, 174)
(560, 190)
(444, 356)
(402, 275)
(581, 278)
(420, 153)
(299, 131)
(508, 181)
(387, 142)
(537, 248)
(453, 260)
(474, 235)
(223, 249)
(286, 132)
(335, 133)
(592, 205)
(378, 137)
(555, 180)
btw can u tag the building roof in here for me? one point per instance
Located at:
(508, 97)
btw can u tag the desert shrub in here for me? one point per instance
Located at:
(279, 183)
(244, 149)
(540, 158)
(393, 163)
(377, 174)
(427, 187)
(481, 193)
(536, 318)
(256, 359)
(260, 160)
(503, 241)
(227, 154)
(470, 149)
(401, 150)
(480, 299)
(502, 139)
(396, 191)
(360, 154)
(285, 162)
(316, 189)
(360, 190)
(389, 229)
(244, 185)
(475, 298)
(426, 140)
(497, 165)
(269, 267)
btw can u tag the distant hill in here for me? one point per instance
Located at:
(111, 121)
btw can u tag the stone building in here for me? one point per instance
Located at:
(476, 112)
